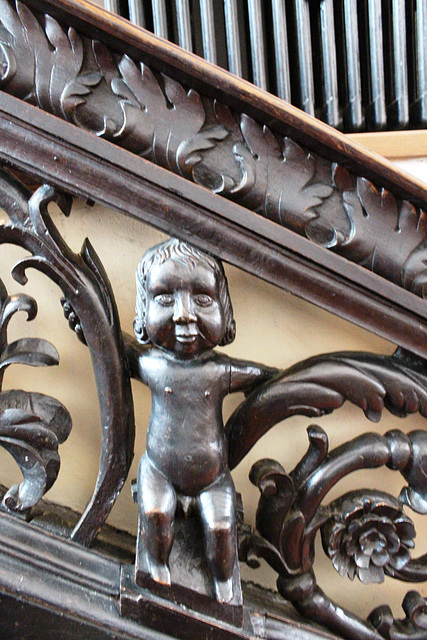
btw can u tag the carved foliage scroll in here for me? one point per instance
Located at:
(154, 116)
(86, 288)
(365, 533)
(32, 425)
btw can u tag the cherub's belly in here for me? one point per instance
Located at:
(189, 465)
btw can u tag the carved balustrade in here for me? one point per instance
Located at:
(92, 107)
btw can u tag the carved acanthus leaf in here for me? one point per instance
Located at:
(231, 174)
(153, 115)
(76, 93)
(31, 427)
(160, 119)
(320, 385)
(31, 424)
(31, 351)
(39, 62)
(86, 288)
(376, 216)
(285, 188)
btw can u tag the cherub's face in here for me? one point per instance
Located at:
(183, 313)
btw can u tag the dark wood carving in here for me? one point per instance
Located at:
(156, 117)
(32, 425)
(73, 592)
(288, 182)
(86, 287)
(184, 311)
(320, 385)
(365, 533)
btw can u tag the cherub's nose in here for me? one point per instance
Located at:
(183, 312)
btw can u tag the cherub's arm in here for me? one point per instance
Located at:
(134, 354)
(133, 349)
(246, 376)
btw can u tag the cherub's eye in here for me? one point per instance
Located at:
(203, 300)
(165, 299)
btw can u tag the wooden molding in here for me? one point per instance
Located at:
(89, 167)
(123, 37)
(52, 586)
(97, 108)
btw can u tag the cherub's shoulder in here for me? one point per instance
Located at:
(218, 360)
(210, 364)
(152, 357)
(142, 360)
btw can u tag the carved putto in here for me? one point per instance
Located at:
(122, 120)
(184, 311)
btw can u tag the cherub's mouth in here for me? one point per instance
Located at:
(185, 339)
(186, 333)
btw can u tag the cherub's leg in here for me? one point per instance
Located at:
(218, 514)
(156, 514)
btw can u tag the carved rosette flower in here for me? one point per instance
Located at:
(368, 535)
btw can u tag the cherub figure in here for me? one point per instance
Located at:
(183, 311)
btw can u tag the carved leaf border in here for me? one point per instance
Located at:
(110, 95)
(154, 116)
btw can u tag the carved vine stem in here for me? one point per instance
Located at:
(365, 533)
(86, 287)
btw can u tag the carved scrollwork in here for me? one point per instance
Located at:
(86, 288)
(320, 385)
(412, 627)
(107, 93)
(154, 116)
(365, 533)
(32, 425)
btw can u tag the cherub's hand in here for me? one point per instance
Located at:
(73, 320)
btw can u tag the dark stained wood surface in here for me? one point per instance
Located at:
(219, 84)
(55, 151)
(382, 290)
(51, 588)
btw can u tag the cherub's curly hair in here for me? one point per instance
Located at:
(175, 249)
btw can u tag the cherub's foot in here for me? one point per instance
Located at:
(160, 573)
(224, 590)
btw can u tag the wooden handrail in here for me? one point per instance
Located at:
(213, 81)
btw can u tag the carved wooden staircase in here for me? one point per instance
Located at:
(102, 110)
